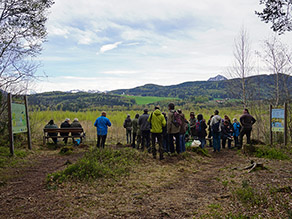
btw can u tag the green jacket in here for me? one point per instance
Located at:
(135, 125)
(53, 126)
(157, 121)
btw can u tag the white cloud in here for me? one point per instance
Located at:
(58, 31)
(109, 47)
(159, 40)
(121, 72)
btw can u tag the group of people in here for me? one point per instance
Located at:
(171, 131)
(174, 129)
(65, 124)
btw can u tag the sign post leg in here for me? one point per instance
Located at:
(285, 124)
(271, 133)
(10, 124)
(27, 123)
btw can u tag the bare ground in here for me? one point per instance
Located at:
(185, 186)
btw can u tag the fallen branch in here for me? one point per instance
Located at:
(254, 166)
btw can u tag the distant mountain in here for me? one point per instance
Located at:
(218, 78)
(83, 91)
(257, 87)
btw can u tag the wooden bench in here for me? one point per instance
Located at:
(63, 130)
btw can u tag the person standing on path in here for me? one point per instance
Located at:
(135, 129)
(157, 121)
(216, 123)
(210, 132)
(128, 127)
(102, 123)
(145, 130)
(182, 132)
(236, 128)
(201, 126)
(165, 136)
(247, 122)
(192, 123)
(173, 128)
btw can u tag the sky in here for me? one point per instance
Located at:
(112, 44)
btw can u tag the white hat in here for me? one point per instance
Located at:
(67, 119)
(76, 119)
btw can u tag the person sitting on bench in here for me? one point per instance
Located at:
(65, 124)
(52, 125)
(76, 124)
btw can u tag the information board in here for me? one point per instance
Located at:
(18, 118)
(278, 120)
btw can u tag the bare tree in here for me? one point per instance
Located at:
(22, 31)
(278, 59)
(241, 67)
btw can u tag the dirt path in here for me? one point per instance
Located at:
(190, 191)
(173, 188)
(26, 194)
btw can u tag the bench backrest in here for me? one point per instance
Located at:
(62, 130)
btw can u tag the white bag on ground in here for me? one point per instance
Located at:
(196, 143)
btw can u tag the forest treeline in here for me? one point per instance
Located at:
(261, 87)
(80, 101)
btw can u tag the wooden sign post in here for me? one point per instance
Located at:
(18, 121)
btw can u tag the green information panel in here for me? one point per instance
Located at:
(18, 118)
(278, 121)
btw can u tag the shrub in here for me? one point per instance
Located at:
(99, 163)
(271, 153)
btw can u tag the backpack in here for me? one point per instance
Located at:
(176, 119)
(198, 127)
(215, 127)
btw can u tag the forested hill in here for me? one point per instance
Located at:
(259, 87)
(76, 101)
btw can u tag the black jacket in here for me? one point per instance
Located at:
(247, 121)
(65, 125)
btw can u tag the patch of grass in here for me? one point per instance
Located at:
(7, 160)
(214, 206)
(201, 151)
(248, 196)
(239, 216)
(98, 163)
(67, 150)
(215, 211)
(225, 183)
(271, 153)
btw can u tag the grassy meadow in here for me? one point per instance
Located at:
(117, 133)
(142, 100)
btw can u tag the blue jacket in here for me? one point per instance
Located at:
(101, 125)
(236, 127)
